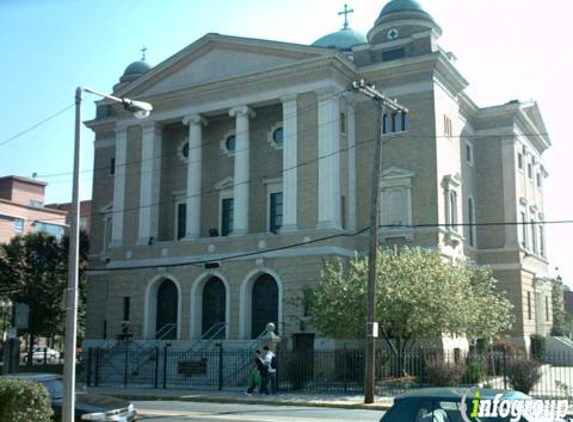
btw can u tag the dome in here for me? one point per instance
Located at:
(403, 6)
(138, 67)
(343, 40)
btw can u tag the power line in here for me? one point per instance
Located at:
(53, 116)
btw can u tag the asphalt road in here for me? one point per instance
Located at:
(176, 411)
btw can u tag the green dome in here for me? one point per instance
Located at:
(343, 40)
(403, 6)
(138, 67)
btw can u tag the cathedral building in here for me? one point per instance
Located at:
(219, 210)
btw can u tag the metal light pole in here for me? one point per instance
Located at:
(381, 102)
(141, 110)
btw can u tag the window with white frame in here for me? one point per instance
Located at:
(541, 231)
(448, 128)
(396, 197)
(275, 136)
(50, 229)
(520, 160)
(451, 186)
(532, 228)
(181, 219)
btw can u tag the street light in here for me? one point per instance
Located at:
(140, 110)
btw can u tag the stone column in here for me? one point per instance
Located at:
(194, 179)
(329, 160)
(290, 162)
(119, 186)
(242, 172)
(149, 182)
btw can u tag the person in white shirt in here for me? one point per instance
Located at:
(271, 363)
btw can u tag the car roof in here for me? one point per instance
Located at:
(454, 393)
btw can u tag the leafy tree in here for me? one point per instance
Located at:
(419, 295)
(33, 271)
(562, 321)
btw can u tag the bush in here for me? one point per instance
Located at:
(443, 374)
(538, 347)
(24, 401)
(475, 371)
(523, 374)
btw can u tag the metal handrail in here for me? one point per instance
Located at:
(210, 335)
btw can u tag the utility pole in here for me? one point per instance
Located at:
(398, 113)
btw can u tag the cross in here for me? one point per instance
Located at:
(143, 50)
(346, 12)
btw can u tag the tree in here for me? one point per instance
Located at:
(33, 271)
(420, 295)
(562, 321)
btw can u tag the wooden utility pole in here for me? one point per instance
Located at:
(382, 103)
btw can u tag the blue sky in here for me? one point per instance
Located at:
(510, 49)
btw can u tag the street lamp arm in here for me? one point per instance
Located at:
(140, 109)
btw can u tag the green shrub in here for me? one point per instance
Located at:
(24, 401)
(475, 371)
(443, 374)
(538, 348)
(523, 374)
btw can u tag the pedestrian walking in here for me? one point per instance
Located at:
(256, 377)
(271, 363)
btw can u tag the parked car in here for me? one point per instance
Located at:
(444, 405)
(93, 407)
(39, 353)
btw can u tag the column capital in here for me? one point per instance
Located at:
(195, 119)
(326, 93)
(242, 111)
(151, 126)
(289, 98)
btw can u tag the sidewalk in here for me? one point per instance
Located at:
(214, 396)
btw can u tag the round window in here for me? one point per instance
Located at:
(230, 143)
(278, 135)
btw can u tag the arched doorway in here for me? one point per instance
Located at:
(265, 304)
(167, 303)
(214, 305)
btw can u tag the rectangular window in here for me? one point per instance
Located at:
(394, 122)
(227, 206)
(385, 123)
(538, 180)
(18, 225)
(448, 131)
(523, 230)
(520, 161)
(529, 305)
(276, 212)
(533, 237)
(453, 197)
(49, 229)
(530, 170)
(36, 203)
(181, 220)
(126, 306)
(469, 154)
(112, 166)
(471, 220)
(342, 123)
(541, 241)
(343, 211)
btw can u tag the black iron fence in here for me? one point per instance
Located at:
(321, 371)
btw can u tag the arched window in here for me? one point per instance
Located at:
(167, 304)
(214, 307)
(265, 304)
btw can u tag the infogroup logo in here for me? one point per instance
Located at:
(510, 407)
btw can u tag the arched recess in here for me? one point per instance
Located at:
(197, 301)
(214, 307)
(162, 306)
(261, 302)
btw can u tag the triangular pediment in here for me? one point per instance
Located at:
(216, 58)
(534, 115)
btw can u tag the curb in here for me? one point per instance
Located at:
(250, 400)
